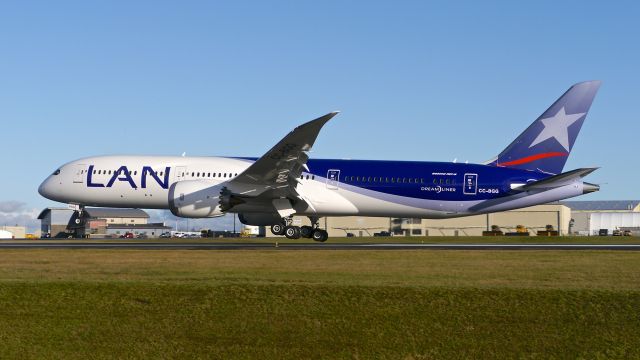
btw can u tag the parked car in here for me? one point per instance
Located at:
(142, 236)
(127, 235)
(165, 235)
(382, 233)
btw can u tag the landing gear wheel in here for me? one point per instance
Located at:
(306, 232)
(320, 235)
(292, 232)
(277, 229)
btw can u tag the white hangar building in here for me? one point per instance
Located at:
(589, 217)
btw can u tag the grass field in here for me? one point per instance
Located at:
(319, 304)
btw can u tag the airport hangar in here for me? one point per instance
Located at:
(99, 222)
(13, 232)
(569, 217)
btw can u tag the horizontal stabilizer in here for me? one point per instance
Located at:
(557, 180)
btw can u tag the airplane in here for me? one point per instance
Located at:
(270, 190)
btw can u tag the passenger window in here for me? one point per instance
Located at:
(369, 179)
(208, 174)
(135, 172)
(393, 180)
(313, 177)
(94, 172)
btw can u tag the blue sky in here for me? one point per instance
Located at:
(414, 80)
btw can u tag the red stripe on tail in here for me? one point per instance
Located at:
(531, 158)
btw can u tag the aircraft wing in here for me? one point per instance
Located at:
(556, 180)
(275, 175)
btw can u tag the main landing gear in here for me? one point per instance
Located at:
(295, 232)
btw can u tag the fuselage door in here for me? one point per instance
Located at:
(470, 184)
(180, 173)
(333, 179)
(79, 173)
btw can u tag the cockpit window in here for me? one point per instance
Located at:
(57, 172)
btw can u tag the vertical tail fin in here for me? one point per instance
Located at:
(545, 145)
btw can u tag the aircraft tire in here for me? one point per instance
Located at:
(292, 232)
(320, 235)
(306, 232)
(277, 229)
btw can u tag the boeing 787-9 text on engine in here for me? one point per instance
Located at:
(269, 190)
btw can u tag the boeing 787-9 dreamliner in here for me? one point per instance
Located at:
(270, 190)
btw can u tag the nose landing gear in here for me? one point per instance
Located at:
(295, 232)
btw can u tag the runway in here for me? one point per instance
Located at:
(306, 246)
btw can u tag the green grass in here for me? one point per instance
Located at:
(73, 304)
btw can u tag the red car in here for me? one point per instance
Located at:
(127, 235)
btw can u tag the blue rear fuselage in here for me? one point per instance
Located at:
(424, 180)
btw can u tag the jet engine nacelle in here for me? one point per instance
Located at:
(195, 199)
(260, 219)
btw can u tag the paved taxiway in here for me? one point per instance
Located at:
(307, 246)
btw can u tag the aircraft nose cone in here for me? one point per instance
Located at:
(589, 188)
(44, 189)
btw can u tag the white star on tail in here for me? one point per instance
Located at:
(557, 127)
